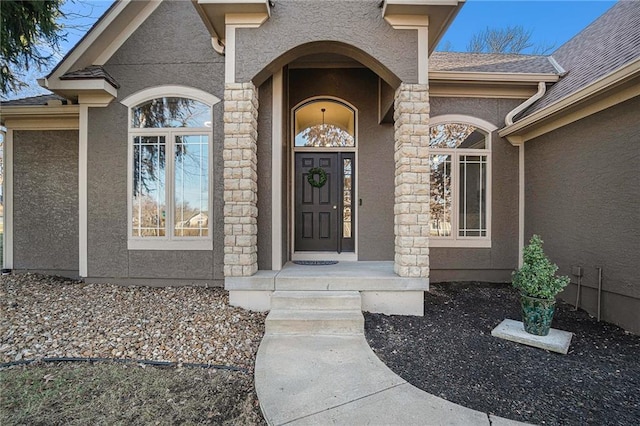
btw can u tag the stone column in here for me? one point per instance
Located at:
(240, 180)
(411, 210)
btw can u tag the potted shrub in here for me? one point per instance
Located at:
(538, 285)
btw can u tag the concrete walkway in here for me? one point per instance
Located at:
(337, 379)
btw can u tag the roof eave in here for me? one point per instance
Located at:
(492, 77)
(613, 88)
(437, 14)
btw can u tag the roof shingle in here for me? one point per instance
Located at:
(90, 73)
(607, 44)
(490, 62)
(35, 100)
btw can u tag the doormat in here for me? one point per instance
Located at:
(315, 262)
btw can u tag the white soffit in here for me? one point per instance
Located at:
(213, 13)
(440, 14)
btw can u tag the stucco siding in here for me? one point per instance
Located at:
(375, 163)
(45, 202)
(265, 96)
(582, 198)
(297, 22)
(497, 262)
(172, 28)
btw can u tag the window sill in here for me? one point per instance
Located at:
(162, 244)
(479, 243)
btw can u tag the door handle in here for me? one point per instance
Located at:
(335, 207)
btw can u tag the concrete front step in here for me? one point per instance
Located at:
(314, 322)
(316, 300)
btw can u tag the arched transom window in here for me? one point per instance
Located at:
(170, 155)
(324, 123)
(460, 162)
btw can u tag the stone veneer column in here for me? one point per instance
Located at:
(411, 210)
(240, 180)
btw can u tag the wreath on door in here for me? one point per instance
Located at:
(322, 177)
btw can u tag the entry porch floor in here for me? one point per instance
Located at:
(350, 276)
(382, 290)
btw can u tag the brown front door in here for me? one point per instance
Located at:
(323, 220)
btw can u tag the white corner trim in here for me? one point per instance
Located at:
(230, 54)
(276, 170)
(176, 91)
(83, 141)
(423, 55)
(521, 206)
(421, 24)
(466, 119)
(8, 200)
(542, 89)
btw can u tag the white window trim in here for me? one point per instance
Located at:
(168, 242)
(455, 240)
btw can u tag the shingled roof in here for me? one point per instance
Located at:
(491, 62)
(607, 44)
(90, 73)
(35, 100)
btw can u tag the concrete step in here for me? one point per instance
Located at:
(316, 300)
(314, 322)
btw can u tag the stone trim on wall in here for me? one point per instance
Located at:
(240, 180)
(411, 210)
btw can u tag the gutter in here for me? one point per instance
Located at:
(609, 81)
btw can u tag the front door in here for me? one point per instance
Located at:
(323, 219)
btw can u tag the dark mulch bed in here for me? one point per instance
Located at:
(450, 353)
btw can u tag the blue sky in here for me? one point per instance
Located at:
(551, 22)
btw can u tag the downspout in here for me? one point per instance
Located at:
(542, 89)
(508, 121)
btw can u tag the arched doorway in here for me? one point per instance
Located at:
(324, 136)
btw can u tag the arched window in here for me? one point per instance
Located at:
(324, 123)
(170, 157)
(460, 182)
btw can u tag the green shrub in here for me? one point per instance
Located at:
(537, 276)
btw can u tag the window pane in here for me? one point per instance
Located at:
(346, 198)
(192, 186)
(440, 205)
(473, 195)
(149, 211)
(324, 123)
(171, 112)
(456, 135)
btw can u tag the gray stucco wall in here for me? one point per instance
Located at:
(45, 203)
(497, 262)
(582, 197)
(171, 47)
(376, 169)
(264, 174)
(296, 22)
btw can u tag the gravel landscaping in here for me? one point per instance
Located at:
(45, 316)
(450, 353)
